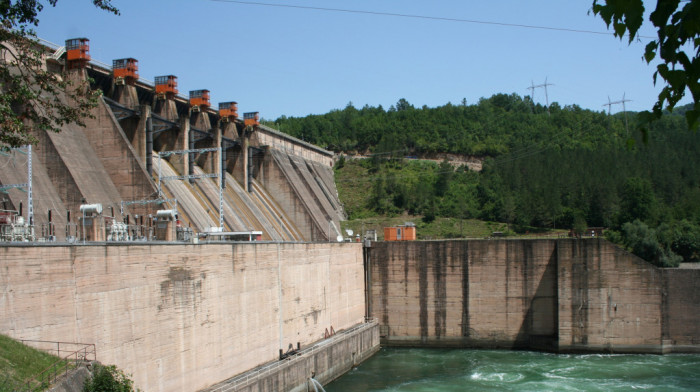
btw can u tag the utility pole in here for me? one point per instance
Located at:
(30, 196)
(624, 109)
(546, 95)
(532, 91)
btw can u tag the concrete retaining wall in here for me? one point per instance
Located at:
(680, 324)
(181, 317)
(325, 361)
(609, 299)
(558, 295)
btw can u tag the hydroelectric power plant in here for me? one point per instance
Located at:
(199, 251)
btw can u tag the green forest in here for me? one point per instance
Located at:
(543, 169)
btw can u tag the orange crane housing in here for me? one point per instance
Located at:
(228, 110)
(126, 70)
(199, 98)
(166, 85)
(251, 118)
(77, 52)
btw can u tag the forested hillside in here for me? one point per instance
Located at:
(494, 126)
(569, 168)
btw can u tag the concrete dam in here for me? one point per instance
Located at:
(180, 305)
(146, 150)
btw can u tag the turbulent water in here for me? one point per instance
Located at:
(489, 370)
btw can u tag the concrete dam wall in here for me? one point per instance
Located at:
(184, 317)
(557, 295)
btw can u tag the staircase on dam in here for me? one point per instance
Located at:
(274, 183)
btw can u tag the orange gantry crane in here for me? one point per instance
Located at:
(77, 52)
(251, 118)
(228, 110)
(125, 70)
(199, 99)
(166, 86)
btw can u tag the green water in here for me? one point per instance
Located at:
(490, 370)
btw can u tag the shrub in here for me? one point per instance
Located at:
(108, 379)
(643, 242)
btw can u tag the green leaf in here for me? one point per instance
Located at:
(664, 9)
(650, 52)
(634, 16)
(620, 29)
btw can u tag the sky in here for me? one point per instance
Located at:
(299, 61)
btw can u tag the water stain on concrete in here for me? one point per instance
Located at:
(181, 288)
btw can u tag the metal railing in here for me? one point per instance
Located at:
(257, 374)
(70, 359)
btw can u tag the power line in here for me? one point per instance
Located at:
(413, 16)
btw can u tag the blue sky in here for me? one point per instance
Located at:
(294, 62)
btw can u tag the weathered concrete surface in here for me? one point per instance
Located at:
(463, 293)
(609, 299)
(122, 163)
(680, 324)
(559, 295)
(295, 189)
(181, 317)
(75, 381)
(75, 169)
(325, 361)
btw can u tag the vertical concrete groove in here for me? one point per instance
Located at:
(527, 279)
(279, 294)
(382, 263)
(325, 295)
(423, 291)
(440, 277)
(75, 301)
(465, 287)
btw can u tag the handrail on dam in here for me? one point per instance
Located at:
(252, 376)
(61, 367)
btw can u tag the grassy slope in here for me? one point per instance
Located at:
(440, 228)
(354, 184)
(19, 363)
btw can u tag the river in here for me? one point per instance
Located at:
(436, 370)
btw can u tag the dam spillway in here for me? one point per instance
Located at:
(144, 151)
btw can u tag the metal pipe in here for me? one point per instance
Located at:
(250, 170)
(190, 156)
(149, 145)
(223, 168)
